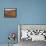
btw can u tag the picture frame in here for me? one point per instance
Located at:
(10, 12)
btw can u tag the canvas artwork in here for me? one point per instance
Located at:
(10, 12)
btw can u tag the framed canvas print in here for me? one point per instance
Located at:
(10, 12)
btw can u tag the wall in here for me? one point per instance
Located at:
(28, 12)
(33, 12)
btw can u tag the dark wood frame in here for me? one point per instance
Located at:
(10, 16)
